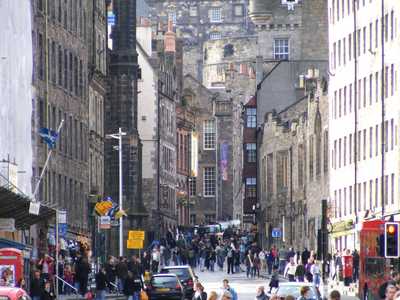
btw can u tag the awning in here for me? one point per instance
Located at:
(16, 206)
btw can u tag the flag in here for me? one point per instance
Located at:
(49, 136)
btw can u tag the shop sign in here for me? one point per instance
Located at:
(342, 226)
(105, 222)
(7, 224)
(134, 244)
(276, 232)
(34, 208)
(136, 235)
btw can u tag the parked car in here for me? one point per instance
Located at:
(165, 286)
(11, 293)
(185, 275)
(293, 288)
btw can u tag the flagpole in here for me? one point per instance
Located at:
(46, 164)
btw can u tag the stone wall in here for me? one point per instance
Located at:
(293, 166)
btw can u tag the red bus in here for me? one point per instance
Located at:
(374, 269)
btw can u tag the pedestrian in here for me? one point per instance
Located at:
(228, 288)
(334, 295)
(304, 293)
(257, 266)
(146, 262)
(101, 284)
(300, 272)
(390, 292)
(230, 260)
(110, 272)
(82, 274)
(305, 255)
(348, 267)
(249, 264)
(263, 261)
(356, 265)
(36, 286)
(270, 261)
(47, 292)
(308, 274)
(274, 282)
(316, 274)
(337, 264)
(213, 296)
(199, 294)
(212, 258)
(132, 286)
(121, 272)
(393, 281)
(236, 261)
(261, 294)
(155, 260)
(290, 270)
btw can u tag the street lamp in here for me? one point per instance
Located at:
(118, 136)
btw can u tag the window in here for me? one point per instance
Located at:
(65, 69)
(209, 135)
(215, 14)
(350, 199)
(60, 65)
(376, 140)
(386, 136)
(340, 204)
(339, 45)
(172, 17)
(358, 146)
(364, 195)
(336, 206)
(392, 189)
(340, 103)
(344, 51)
(192, 186)
(311, 156)
(251, 116)
(364, 39)
(370, 89)
(370, 193)
(215, 35)
(340, 153)
(350, 97)
(209, 181)
(41, 56)
(251, 151)
(344, 150)
(392, 25)
(376, 191)
(391, 134)
(370, 141)
(238, 10)
(334, 154)
(358, 42)
(281, 49)
(193, 11)
(386, 27)
(334, 55)
(335, 105)
(229, 50)
(376, 33)
(251, 188)
(392, 79)
(359, 197)
(300, 166)
(344, 202)
(350, 47)
(326, 147)
(386, 189)
(376, 87)
(386, 82)
(344, 100)
(370, 36)
(364, 143)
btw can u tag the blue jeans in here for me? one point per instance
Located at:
(101, 295)
(135, 296)
(36, 298)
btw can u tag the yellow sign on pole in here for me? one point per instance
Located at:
(134, 244)
(136, 235)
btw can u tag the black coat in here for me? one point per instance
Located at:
(36, 287)
(47, 295)
(131, 285)
(101, 281)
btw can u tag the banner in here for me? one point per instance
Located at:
(224, 148)
(194, 154)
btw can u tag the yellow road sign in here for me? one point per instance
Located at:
(134, 244)
(103, 207)
(136, 235)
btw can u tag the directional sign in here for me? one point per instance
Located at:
(136, 235)
(276, 232)
(134, 244)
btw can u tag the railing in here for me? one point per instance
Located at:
(66, 283)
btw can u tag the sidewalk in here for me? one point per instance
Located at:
(351, 290)
(79, 297)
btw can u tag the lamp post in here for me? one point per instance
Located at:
(118, 136)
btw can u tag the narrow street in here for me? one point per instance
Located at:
(246, 288)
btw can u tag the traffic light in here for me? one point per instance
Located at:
(391, 240)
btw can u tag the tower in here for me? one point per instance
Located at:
(121, 111)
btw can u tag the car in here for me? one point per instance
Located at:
(12, 293)
(293, 288)
(165, 286)
(186, 276)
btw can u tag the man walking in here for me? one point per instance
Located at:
(290, 270)
(230, 260)
(228, 288)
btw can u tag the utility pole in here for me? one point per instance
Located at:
(118, 136)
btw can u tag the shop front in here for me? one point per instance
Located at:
(342, 235)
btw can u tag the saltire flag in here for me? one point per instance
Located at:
(49, 136)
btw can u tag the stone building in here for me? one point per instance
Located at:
(364, 116)
(97, 93)
(61, 49)
(121, 109)
(200, 21)
(293, 166)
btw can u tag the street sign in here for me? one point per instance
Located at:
(134, 244)
(136, 235)
(62, 216)
(105, 222)
(103, 207)
(276, 232)
(62, 229)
